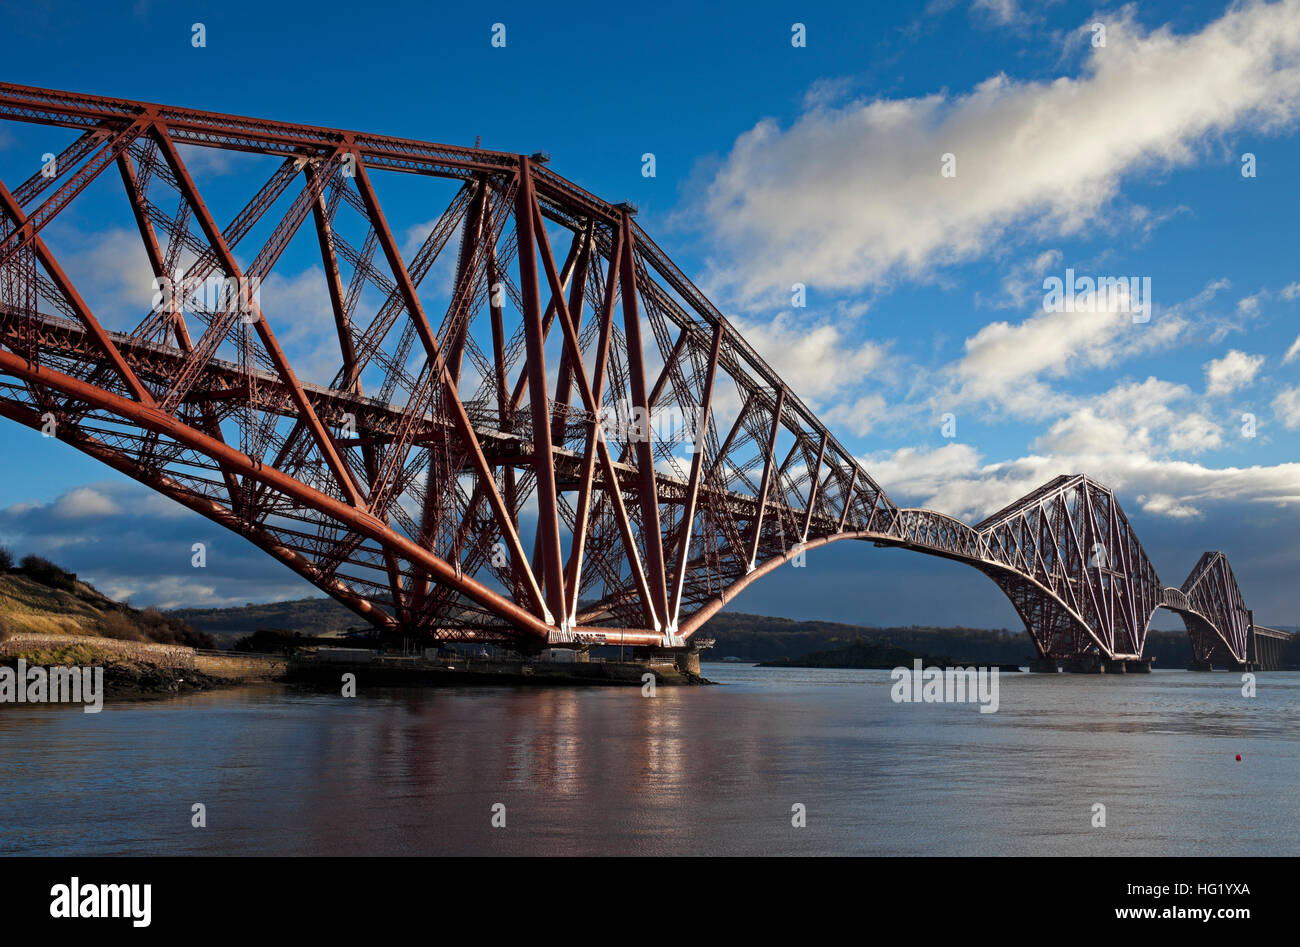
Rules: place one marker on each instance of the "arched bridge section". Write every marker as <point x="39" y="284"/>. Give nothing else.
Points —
<point x="1212" y="607"/>
<point x="557" y="439"/>
<point x="1073" y="567"/>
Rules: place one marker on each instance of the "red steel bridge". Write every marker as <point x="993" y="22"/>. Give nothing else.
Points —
<point x="536" y="380"/>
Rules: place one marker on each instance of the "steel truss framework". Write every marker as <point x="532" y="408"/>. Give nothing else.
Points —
<point x="398" y="486"/>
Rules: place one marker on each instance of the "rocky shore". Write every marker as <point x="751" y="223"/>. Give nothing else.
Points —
<point x="132" y="670"/>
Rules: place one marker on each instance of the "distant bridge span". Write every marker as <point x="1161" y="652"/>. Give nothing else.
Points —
<point x="525" y="385"/>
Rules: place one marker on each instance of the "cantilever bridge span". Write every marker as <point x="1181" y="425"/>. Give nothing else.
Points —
<point x="487" y="461"/>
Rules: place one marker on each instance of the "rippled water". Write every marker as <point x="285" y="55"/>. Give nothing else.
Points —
<point x="694" y="770"/>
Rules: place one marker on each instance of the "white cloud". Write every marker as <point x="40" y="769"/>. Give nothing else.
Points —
<point x="1012" y="366"/>
<point x="84" y="502"/>
<point x="110" y="269"/>
<point x="1149" y="417"/>
<point x="850" y="196"/>
<point x="1249" y="305"/>
<point x="1002" y="11"/>
<point x="1022" y="286"/>
<point x="1005" y="363"/>
<point x="167" y="592"/>
<point x="1286" y="407"/>
<point x="128" y="541"/>
<point x="1135" y="437"/>
<point x="914" y="472"/>
<point x="1234" y="371"/>
<point x="954" y="479"/>
<point x="858" y="417"/>
<point x="298" y="310"/>
<point x="1162" y="504"/>
<point x="815" y="361"/>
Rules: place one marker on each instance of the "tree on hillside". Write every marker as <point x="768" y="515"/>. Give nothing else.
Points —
<point x="115" y="624"/>
<point x="168" y="629"/>
<point x="41" y="570"/>
<point x="6" y="559"/>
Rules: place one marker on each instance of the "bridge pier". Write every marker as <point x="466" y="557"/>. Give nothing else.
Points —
<point x="1096" y="664"/>
<point x="1045" y="666"/>
<point x="686" y="660"/>
<point x="1223" y="666"/>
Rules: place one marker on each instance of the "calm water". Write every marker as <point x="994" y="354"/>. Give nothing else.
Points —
<point x="691" y="771"/>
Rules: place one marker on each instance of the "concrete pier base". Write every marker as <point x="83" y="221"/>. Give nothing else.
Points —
<point x="1223" y="666"/>
<point x="688" y="662"/>
<point x="1045" y="666"/>
<point x="1096" y="664"/>
<point x="685" y="660"/>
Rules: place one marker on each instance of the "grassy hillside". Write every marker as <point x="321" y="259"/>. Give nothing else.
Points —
<point x="26" y="605"/>
<point x="311" y="616"/>
<point x="77" y="608"/>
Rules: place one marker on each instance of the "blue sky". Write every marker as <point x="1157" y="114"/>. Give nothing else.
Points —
<point x="819" y="165"/>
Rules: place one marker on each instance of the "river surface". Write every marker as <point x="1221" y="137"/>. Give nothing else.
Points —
<point x="708" y="770"/>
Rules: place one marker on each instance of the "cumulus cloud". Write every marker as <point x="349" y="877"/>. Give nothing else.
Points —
<point x="1162" y="504"/>
<point x="1286" y="407"/>
<point x="1016" y="367"/>
<point x="920" y="474"/>
<point x="847" y="197"/>
<point x="1011" y="365"/>
<point x="956" y="480"/>
<point x="1136" y="437"/>
<point x="858" y="417"/>
<point x="1234" y="371"/>
<point x="84" y="502"/>
<point x="109" y="268"/>
<point x="815" y="360"/>
<point x="132" y="543"/>
<point x="1152" y="417"/>
<point x="297" y="307"/>
<point x="1022" y="286"/>
<point x="1003" y="362"/>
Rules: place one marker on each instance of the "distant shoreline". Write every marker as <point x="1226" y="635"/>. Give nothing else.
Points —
<point x="872" y="656"/>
